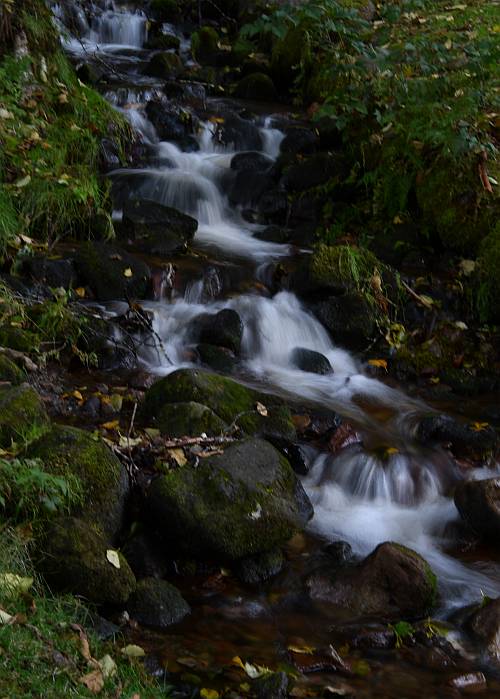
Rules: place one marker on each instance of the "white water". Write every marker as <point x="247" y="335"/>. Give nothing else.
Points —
<point x="357" y="495"/>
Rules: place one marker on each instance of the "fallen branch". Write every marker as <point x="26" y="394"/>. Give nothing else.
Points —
<point x="420" y="299"/>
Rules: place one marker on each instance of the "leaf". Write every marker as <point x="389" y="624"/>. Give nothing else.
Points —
<point x="80" y="291"/>
<point x="77" y="395"/>
<point x="127" y="272"/>
<point x="113" y="557"/>
<point x="5" y="617"/>
<point x="112" y="425"/>
<point x="209" y="694"/>
<point x="253" y="671"/>
<point x="479" y="426"/>
<point x="94" y="681"/>
<point x="188" y="662"/>
<point x="133" y="651"/>
<point x="261" y="409"/>
<point x="448" y="44"/>
<point x="307" y="650"/>
<point x="126" y="442"/>
<point x="178" y="456"/>
<point x="12" y="585"/>
<point x="108" y="666"/>
<point x="380" y="363"/>
<point x="23" y="182"/>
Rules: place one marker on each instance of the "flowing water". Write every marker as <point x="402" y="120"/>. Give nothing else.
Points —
<point x="357" y="495"/>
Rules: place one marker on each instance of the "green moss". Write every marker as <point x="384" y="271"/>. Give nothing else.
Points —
<point x="191" y="419"/>
<point x="22" y="415"/>
<point x="256" y="86"/>
<point x="290" y="55"/>
<point x="19" y="339"/>
<point x="205" y="45"/>
<point x="430" y="576"/>
<point x="165" y="65"/>
<point x="10" y="371"/>
<point x="69" y="450"/>
<point x="164" y="42"/>
<point x="344" y="266"/>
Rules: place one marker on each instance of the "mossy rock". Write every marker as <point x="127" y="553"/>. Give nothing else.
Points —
<point x="342" y="267"/>
<point x="287" y="54"/>
<point x="19" y="339"/>
<point x="227" y="398"/>
<point x="205" y="45"/>
<point x="22" y="415"/>
<point x="73" y="558"/>
<point x="256" y="86"/>
<point x="189" y="419"/>
<point x="163" y="42"/>
<point x="104" y="481"/>
<point x="488" y="288"/>
<point x="240" y="503"/>
<point x="261" y="568"/>
<point x="350" y="319"/>
<point x="164" y="65"/>
<point x="157" y="603"/>
<point x="217" y="358"/>
<point x="9" y="371"/>
<point x="112" y="273"/>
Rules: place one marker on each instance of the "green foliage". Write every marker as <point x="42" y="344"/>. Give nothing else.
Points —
<point x="28" y="492"/>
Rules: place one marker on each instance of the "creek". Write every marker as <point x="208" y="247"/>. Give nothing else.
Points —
<point x="358" y="496"/>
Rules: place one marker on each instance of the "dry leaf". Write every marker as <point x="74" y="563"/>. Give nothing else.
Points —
<point x="127" y="272"/>
<point x="380" y="363"/>
<point x="23" y="182"/>
<point x="479" y="426"/>
<point x="133" y="651"/>
<point x="188" y="662"/>
<point x="307" y="650"/>
<point x="12" y="585"/>
<point x="261" y="409"/>
<point x="80" y="291"/>
<point x="178" y="456"/>
<point x="108" y="666"/>
<point x="113" y="557"/>
<point x="5" y="617"/>
<point x="112" y="425"/>
<point x="94" y="681"/>
<point x="209" y="694"/>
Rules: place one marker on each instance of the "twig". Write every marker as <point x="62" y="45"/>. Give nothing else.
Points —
<point x="191" y="441"/>
<point x="413" y="294"/>
<point x="131" y="427"/>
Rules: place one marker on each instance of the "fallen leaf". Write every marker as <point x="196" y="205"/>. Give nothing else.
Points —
<point x="302" y="649"/>
<point x="479" y="426"/>
<point x="261" y="409"/>
<point x="12" y="585"/>
<point x="127" y="272"/>
<point x="178" y="456"/>
<point x="80" y="291"/>
<point x="380" y="363"/>
<point x="112" y="425"/>
<point x="133" y="651"/>
<point x="23" y="182"/>
<point x="209" y="694"/>
<point x="94" y="681"/>
<point x="5" y="617"/>
<point x="113" y="557"/>
<point x="125" y="442"/>
<point x="108" y="666"/>
<point x="253" y="671"/>
<point x="188" y="662"/>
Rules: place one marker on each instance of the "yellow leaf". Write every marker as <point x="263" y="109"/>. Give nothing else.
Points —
<point x="479" y="426"/>
<point x="390" y="451"/>
<point x="108" y="666"/>
<point x="127" y="272"/>
<point x="80" y="291"/>
<point x="12" y="585"/>
<point x="77" y="395"/>
<point x="133" y="651"/>
<point x="94" y="681"/>
<point x="397" y="219"/>
<point x="209" y="694"/>
<point x="113" y="557"/>
<point x="23" y="182"/>
<point x="178" y="456"/>
<point x="306" y="650"/>
<point x="112" y="425"/>
<point x="434" y="379"/>
<point x="380" y="363"/>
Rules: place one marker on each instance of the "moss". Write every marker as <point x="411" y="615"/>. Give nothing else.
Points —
<point x="488" y="291"/>
<point x="157" y="603"/>
<point x="205" y="45"/>
<point x="191" y="419"/>
<point x="256" y="86"/>
<point x="287" y="55"/>
<point x="22" y="414"/>
<point x="10" y="371"/>
<point x="164" y="42"/>
<point x="19" y="339"/>
<point x="165" y="65"/>
<point x="69" y="450"/>
<point x="429" y="574"/>
<point x="343" y="267"/>
<point x="74" y="560"/>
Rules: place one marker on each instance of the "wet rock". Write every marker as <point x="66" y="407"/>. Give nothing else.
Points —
<point x="205" y="46"/>
<point x="227" y="398"/>
<point x="295" y="455"/>
<point x="393" y="582"/>
<point x="312" y="172"/>
<point x="157" y="603"/>
<point x="22" y="414"/>
<point x="273" y="686"/>
<point x="251" y="161"/>
<point x="464" y="439"/>
<point x="258" y="569"/>
<point x="340" y="552"/>
<point x="375" y="636"/>
<point x="484" y="625"/>
<point x="311" y="361"/>
<point x="273" y="207"/>
<point x="104" y="483"/>
<point x="238" y="504"/>
<point x="273" y="234"/>
<point x="9" y="371"/>
<point x="163" y="42"/>
<point x="256" y="86"/>
<point x="157" y="229"/>
<point x="217" y="358"/>
<point x="164" y="65"/>
<point x="191" y="94"/>
<point x="171" y="122"/>
<point x="248" y="187"/>
<point x="349" y="319"/>
<point x="306" y="208"/>
<point x="189" y="419"/>
<point x="53" y="273"/>
<point x="73" y="559"/>
<point x="111" y="272"/>
<point x="146" y="557"/>
<point x="110" y="155"/>
<point x="471" y="682"/>
<point x="239" y="133"/>
<point x="479" y="505"/>
<point x="299" y="141"/>
<point x="224" y="329"/>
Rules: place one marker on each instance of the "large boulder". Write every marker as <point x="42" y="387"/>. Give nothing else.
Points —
<point x="256" y="86"/>
<point x="393" y="582"/>
<point x="240" y="503"/>
<point x="157" y="603"/>
<point x="171" y="122"/>
<point x="189" y="419"/>
<point x="111" y="272"/>
<point x="311" y="361"/>
<point x="222" y="329"/>
<point x="156" y="228"/>
<point x="350" y="319"/>
<point x="299" y="141"/>
<point x="22" y="415"/>
<point x="205" y="45"/>
<point x="248" y="187"/>
<point x="463" y="438"/>
<point x="484" y="625"/>
<point x="239" y="133"/>
<point x="251" y="161"/>
<point x="104" y="482"/>
<point x="9" y="371"/>
<point x="479" y="505"/>
<point x="73" y="558"/>
<point x="164" y="64"/>
<point x="229" y="400"/>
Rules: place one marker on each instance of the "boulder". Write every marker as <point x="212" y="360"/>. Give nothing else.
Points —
<point x="251" y="161"/>
<point x="53" y="273"/>
<point x="22" y="415"/>
<point x="111" y="272"/>
<point x="146" y="557"/>
<point x="191" y="94"/>
<point x="260" y="568"/>
<point x="157" y="603"/>
<point x="171" y="122"/>
<point x="393" y="582"/>
<point x="350" y="319"/>
<point x="311" y="172"/>
<point x="222" y="329"/>
<point x="464" y="439"/>
<point x="104" y="482"/>
<point x="479" y="505"/>
<point x="248" y="187"/>
<point x="163" y="42"/>
<point x="164" y="65"/>
<point x="309" y="360"/>
<point x="240" y="503"/>
<point x="299" y="141"/>
<point x="273" y="207"/>
<point x="217" y="358"/>
<point x="273" y="234"/>
<point x="166" y="10"/>
<point x="239" y="133"/>
<point x="228" y="399"/>
<point x="189" y="420"/>
<point x="484" y="625"/>
<point x="256" y="86"/>
<point x="9" y="371"/>
<point x="73" y="559"/>
<point x="205" y="45"/>
<point x="157" y="229"/>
